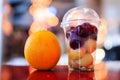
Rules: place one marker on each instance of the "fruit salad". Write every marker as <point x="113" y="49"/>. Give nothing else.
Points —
<point x="82" y="41"/>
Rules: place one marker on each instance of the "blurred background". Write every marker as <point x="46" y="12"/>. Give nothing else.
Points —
<point x="19" y="18"/>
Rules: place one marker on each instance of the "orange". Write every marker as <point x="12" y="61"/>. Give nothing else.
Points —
<point x="42" y="50"/>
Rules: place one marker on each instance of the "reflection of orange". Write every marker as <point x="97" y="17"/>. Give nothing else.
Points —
<point x="42" y="50"/>
<point x="31" y="69"/>
<point x="42" y="75"/>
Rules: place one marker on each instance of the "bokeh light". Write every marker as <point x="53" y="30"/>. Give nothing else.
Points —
<point x="52" y="9"/>
<point x="108" y="44"/>
<point x="42" y="2"/>
<point x="52" y="20"/>
<point x="100" y="71"/>
<point x="102" y="33"/>
<point x="45" y="16"/>
<point x="7" y="27"/>
<point x="99" y="55"/>
<point x="35" y="26"/>
<point x="42" y="16"/>
<point x="32" y="9"/>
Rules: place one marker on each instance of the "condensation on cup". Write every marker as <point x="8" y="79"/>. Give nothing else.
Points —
<point x="81" y="26"/>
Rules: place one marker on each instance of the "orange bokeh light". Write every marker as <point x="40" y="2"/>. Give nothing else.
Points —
<point x="43" y="18"/>
<point x="102" y="33"/>
<point x="100" y="71"/>
<point x="36" y="27"/>
<point x="7" y="26"/>
<point x="32" y="9"/>
<point x="41" y="2"/>
<point x="35" y="7"/>
<point x="41" y="14"/>
<point x="52" y="21"/>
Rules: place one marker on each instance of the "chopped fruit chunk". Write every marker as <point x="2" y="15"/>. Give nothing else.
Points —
<point x="76" y="54"/>
<point x="91" y="66"/>
<point x="86" y="60"/>
<point x="90" y="45"/>
<point x="74" y="64"/>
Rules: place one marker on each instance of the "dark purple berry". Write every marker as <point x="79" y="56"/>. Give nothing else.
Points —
<point x="79" y="34"/>
<point x="76" y="41"/>
<point x="74" y="44"/>
<point x="84" y="32"/>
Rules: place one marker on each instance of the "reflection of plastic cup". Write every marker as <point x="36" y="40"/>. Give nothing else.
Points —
<point x="81" y="27"/>
<point x="76" y="75"/>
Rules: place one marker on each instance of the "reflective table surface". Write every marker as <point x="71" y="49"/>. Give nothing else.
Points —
<point x="103" y="71"/>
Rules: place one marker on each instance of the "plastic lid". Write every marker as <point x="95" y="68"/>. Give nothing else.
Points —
<point x="78" y="13"/>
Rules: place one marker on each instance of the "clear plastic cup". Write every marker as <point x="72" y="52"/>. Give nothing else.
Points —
<point x="80" y="26"/>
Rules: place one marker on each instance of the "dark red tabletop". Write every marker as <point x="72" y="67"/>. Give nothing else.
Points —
<point x="103" y="71"/>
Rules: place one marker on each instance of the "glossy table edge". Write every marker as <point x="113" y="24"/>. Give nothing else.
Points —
<point x="61" y="72"/>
